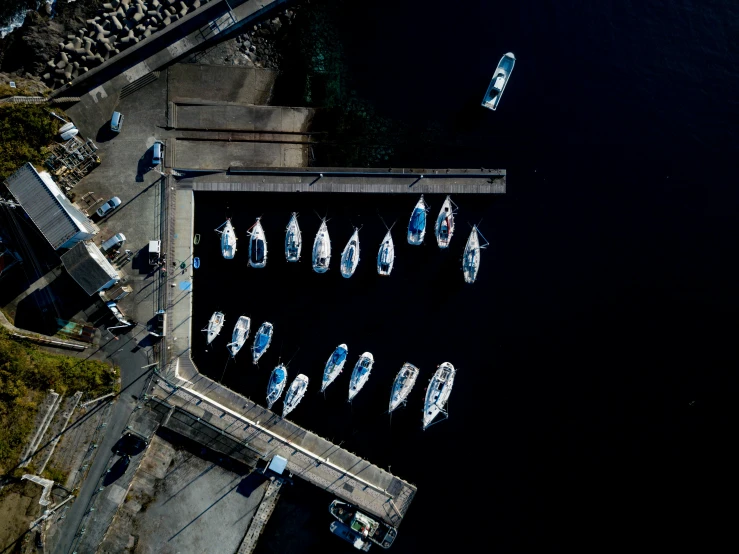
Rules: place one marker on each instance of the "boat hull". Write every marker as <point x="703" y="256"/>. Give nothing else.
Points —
<point x="295" y="394"/>
<point x="370" y="528"/>
<point x="257" y="246"/>
<point x="360" y="375"/>
<point x="276" y="385"/>
<point x="437" y="393"/>
<point x="215" y="324"/>
<point x="386" y="256"/>
<point x="228" y="241"/>
<point x="350" y="256"/>
<point x="499" y="81"/>
<point x="239" y="335"/>
<point x="444" y="228"/>
<point x="322" y="249"/>
<point x="402" y="386"/>
<point x="471" y="257"/>
<point x="262" y="340"/>
<point x="293" y="240"/>
<point x="417" y="224"/>
<point x="334" y="366"/>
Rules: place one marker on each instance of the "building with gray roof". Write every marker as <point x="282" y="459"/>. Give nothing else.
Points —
<point x="87" y="265"/>
<point x="60" y="222"/>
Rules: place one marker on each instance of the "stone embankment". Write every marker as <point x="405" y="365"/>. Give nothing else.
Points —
<point x="119" y="25"/>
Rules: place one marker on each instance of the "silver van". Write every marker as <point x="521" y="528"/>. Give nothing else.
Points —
<point x="116" y="122"/>
<point x="113" y="242"/>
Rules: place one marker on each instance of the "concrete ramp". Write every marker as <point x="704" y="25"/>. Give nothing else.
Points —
<point x="219" y="83"/>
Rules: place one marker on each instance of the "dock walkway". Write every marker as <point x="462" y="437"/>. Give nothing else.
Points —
<point x="261" y="517"/>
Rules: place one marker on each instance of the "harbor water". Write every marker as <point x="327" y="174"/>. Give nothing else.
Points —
<point x="593" y="350"/>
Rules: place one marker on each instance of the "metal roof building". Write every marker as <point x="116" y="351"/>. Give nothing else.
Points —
<point x="61" y="223"/>
<point x="87" y="265"/>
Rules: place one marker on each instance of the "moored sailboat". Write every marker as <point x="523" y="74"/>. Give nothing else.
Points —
<point x="437" y="393"/>
<point x="262" y="340"/>
<point x="295" y="394"/>
<point x="276" y="385"/>
<point x="239" y="336"/>
<point x="402" y="385"/>
<point x="360" y="374"/>
<point x="386" y="255"/>
<point x="417" y="224"/>
<point x="334" y="365"/>
<point x="471" y="257"/>
<point x="322" y="249"/>
<point x="293" y="240"/>
<point x="215" y="324"/>
<point x="350" y="255"/>
<point x="228" y="240"/>
<point x="257" y="245"/>
<point x="444" y="228"/>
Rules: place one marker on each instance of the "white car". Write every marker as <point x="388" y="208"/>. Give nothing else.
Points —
<point x="109" y="206"/>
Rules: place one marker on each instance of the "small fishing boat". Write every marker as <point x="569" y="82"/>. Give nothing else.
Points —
<point x="196" y="263"/>
<point x="334" y="365"/>
<point x="402" y="385"/>
<point x="293" y="240"/>
<point x="444" y="227"/>
<point x="257" y="245"/>
<point x="471" y="257"/>
<point x="367" y="527"/>
<point x="499" y="81"/>
<point x="215" y="324"/>
<point x="417" y="224"/>
<point x="350" y="255"/>
<point x="321" y="249"/>
<point x="276" y="385"/>
<point x="228" y="240"/>
<point x="295" y="394"/>
<point x="437" y="393"/>
<point x="262" y="340"/>
<point x="360" y="374"/>
<point x="386" y="255"/>
<point x="239" y="336"/>
<point x="343" y="531"/>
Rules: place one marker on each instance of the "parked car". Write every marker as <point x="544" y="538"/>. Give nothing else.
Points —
<point x="157" y="153"/>
<point x="116" y="241"/>
<point x="130" y="444"/>
<point x="116" y="122"/>
<point x="109" y="206"/>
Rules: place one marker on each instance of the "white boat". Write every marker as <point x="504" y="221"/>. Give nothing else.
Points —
<point x="276" y="385"/>
<point x="295" y="394"/>
<point x="444" y="227"/>
<point x="257" y="245"/>
<point x="262" y="340"/>
<point x="334" y="365"/>
<point x="293" y="240"/>
<point x="386" y="255"/>
<point x="417" y="224"/>
<point x="360" y="374"/>
<point x="321" y="249"/>
<point x="350" y="255"/>
<point x="402" y="385"/>
<point x="228" y="240"/>
<point x="215" y="324"/>
<point x="471" y="257"/>
<point x="239" y="336"/>
<point x="437" y="393"/>
<point x="499" y="81"/>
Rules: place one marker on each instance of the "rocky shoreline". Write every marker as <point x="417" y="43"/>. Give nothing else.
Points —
<point x="83" y="34"/>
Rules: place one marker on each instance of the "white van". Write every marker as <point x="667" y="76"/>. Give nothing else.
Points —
<point x="113" y="242"/>
<point x="116" y="122"/>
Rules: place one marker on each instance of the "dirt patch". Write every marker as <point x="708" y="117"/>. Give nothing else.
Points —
<point x="18" y="508"/>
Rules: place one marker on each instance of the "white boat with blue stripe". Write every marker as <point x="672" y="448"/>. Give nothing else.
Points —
<point x="417" y="224"/>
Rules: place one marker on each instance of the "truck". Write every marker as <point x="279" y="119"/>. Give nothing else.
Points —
<point x="154" y="251"/>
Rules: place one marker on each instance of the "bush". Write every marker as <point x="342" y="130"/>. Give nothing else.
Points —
<point x="26" y="131"/>
<point x="26" y="375"/>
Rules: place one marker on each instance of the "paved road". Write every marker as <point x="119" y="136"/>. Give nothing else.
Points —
<point x="133" y="379"/>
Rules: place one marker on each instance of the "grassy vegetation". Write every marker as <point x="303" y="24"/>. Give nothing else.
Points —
<point x="26" y="131"/>
<point x="26" y="375"/>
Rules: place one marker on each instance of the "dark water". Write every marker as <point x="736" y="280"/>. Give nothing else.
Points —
<point x="595" y="350"/>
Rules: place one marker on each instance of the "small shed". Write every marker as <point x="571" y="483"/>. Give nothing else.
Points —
<point x="278" y="464"/>
<point x="87" y="265"/>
